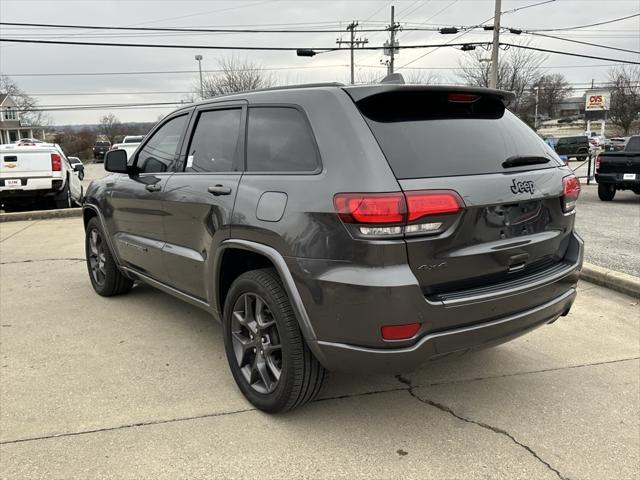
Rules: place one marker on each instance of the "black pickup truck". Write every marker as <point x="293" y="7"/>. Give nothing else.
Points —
<point x="619" y="170"/>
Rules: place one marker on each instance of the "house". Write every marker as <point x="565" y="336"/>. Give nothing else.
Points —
<point x="12" y="127"/>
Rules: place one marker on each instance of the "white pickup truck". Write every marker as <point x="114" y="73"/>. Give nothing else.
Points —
<point x="31" y="173"/>
<point x="129" y="144"/>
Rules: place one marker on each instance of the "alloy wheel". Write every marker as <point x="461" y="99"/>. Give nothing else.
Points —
<point x="256" y="343"/>
<point x="97" y="256"/>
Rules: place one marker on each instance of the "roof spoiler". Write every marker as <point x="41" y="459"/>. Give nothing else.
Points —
<point x="360" y="92"/>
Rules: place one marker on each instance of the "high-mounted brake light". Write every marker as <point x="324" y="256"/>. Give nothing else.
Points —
<point x="56" y="162"/>
<point x="462" y="97"/>
<point x="571" y="191"/>
<point x="383" y="214"/>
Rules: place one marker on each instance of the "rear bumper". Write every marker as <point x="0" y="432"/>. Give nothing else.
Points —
<point x="618" y="180"/>
<point x="350" y="358"/>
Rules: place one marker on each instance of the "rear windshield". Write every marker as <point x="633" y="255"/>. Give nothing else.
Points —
<point x="133" y="140"/>
<point x="103" y="144"/>
<point x="426" y="134"/>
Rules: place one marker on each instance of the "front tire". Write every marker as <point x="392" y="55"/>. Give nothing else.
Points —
<point x="606" y="192"/>
<point x="107" y="280"/>
<point x="267" y="354"/>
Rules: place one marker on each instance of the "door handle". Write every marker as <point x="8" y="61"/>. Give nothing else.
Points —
<point x="219" y="190"/>
<point x="153" y="187"/>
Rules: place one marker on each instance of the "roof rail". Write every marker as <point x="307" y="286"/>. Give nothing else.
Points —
<point x="268" y="89"/>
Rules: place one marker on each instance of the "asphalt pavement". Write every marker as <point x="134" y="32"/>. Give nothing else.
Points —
<point x="137" y="386"/>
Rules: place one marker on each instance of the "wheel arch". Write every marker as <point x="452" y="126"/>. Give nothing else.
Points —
<point x="257" y="255"/>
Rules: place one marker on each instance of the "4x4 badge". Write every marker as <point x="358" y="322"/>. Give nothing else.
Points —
<point x="522" y="187"/>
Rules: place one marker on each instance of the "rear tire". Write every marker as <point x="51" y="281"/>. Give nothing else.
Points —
<point x="267" y="354"/>
<point x="606" y="192"/>
<point x="106" y="278"/>
<point x="63" y="199"/>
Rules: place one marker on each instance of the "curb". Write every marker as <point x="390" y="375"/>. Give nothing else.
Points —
<point x="40" y="215"/>
<point x="618" y="281"/>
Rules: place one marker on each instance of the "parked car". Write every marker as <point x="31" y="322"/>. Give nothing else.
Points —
<point x="100" y="148"/>
<point x="132" y="139"/>
<point x="577" y="147"/>
<point x="615" y="144"/>
<point x="345" y="228"/>
<point x="619" y="170"/>
<point x="30" y="173"/>
<point x="129" y="145"/>
<point x="77" y="166"/>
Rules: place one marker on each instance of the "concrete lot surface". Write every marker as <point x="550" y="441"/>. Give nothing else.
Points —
<point x="138" y="387"/>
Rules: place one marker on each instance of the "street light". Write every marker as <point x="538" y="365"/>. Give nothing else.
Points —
<point x="199" y="59"/>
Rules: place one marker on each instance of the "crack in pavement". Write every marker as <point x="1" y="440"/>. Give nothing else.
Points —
<point x="408" y="387"/>
<point x="486" y="426"/>
<point x="21" y="230"/>
<point x="67" y="259"/>
<point x="128" y="425"/>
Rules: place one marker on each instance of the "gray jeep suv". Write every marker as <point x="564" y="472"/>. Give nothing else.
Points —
<point x="359" y="228"/>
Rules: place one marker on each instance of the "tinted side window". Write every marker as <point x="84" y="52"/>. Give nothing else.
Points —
<point x="279" y="140"/>
<point x="159" y="153"/>
<point x="214" y="144"/>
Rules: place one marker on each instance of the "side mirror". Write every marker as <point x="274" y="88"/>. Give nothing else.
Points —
<point x="78" y="167"/>
<point x="116" y="161"/>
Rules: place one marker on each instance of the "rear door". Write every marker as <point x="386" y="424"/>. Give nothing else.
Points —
<point x="447" y="148"/>
<point x="199" y="199"/>
<point x="137" y="200"/>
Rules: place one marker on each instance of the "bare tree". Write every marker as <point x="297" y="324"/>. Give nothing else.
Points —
<point x="552" y="90"/>
<point x="625" y="97"/>
<point x="110" y="126"/>
<point x="518" y="69"/>
<point x="27" y="105"/>
<point x="236" y="75"/>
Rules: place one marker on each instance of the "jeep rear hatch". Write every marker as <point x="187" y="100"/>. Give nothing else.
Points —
<point x="453" y="145"/>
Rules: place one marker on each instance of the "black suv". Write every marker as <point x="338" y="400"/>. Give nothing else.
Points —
<point x="361" y="228"/>
<point x="577" y="147"/>
<point x="100" y="148"/>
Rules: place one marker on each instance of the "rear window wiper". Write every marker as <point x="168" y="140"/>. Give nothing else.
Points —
<point x="519" y="160"/>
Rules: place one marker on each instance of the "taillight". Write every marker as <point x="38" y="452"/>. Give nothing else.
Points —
<point x="56" y="162"/>
<point x="597" y="162"/>
<point x="408" y="212"/>
<point x="380" y="208"/>
<point x="571" y="191"/>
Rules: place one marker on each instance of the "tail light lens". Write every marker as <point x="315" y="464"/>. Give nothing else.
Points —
<point x="597" y="162"/>
<point x="382" y="214"/>
<point x="56" y="162"/>
<point x="571" y="191"/>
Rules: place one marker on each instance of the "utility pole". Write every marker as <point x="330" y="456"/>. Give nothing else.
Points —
<point x="391" y="44"/>
<point x="199" y="59"/>
<point x="353" y="43"/>
<point x="535" y="118"/>
<point x="493" y="81"/>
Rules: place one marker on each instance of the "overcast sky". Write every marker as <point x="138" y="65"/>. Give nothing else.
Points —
<point x="17" y="59"/>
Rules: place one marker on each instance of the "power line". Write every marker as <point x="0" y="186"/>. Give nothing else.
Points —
<point x="584" y="26"/>
<point x="570" y="54"/>
<point x="167" y="72"/>
<point x="187" y="30"/>
<point x="221" y="47"/>
<point x="580" y="42"/>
